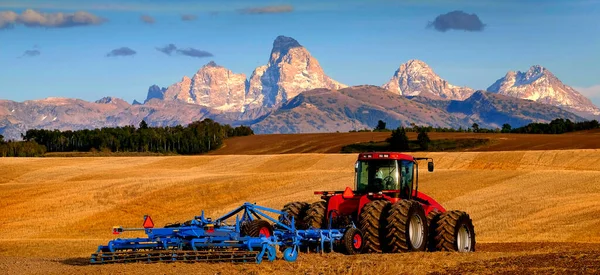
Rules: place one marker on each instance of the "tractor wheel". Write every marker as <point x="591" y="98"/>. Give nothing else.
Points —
<point x="256" y="228"/>
<point x="316" y="215"/>
<point x="406" y="227"/>
<point x="455" y="232"/>
<point x="372" y="222"/>
<point x="296" y="210"/>
<point x="432" y="220"/>
<point x="352" y="242"/>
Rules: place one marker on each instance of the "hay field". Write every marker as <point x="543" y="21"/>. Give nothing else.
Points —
<point x="525" y="204"/>
<point x="333" y="142"/>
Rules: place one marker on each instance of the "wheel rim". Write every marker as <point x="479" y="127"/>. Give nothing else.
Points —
<point x="463" y="239"/>
<point x="265" y="231"/>
<point x="415" y="231"/>
<point x="357" y="241"/>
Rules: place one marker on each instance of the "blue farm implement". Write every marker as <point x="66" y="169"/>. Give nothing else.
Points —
<point x="253" y="237"/>
<point x="385" y="212"/>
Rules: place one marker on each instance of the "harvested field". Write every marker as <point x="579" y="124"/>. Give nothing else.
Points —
<point x="534" y="211"/>
<point x="333" y="142"/>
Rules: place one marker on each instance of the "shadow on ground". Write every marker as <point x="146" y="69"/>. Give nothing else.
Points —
<point x="76" y="261"/>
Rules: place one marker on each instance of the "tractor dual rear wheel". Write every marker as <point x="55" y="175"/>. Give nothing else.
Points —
<point x="316" y="216"/>
<point x="296" y="210"/>
<point x="406" y="227"/>
<point x="455" y="232"/>
<point x="372" y="220"/>
<point x="432" y="220"/>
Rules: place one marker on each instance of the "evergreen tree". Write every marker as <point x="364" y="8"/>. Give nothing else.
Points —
<point x="423" y="139"/>
<point x="380" y="126"/>
<point x="143" y="124"/>
<point x="398" y="141"/>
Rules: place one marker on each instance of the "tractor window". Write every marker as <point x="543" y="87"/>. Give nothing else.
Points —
<point x="377" y="175"/>
<point x="407" y="176"/>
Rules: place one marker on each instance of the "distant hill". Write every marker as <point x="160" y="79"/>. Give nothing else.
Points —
<point x="360" y="107"/>
<point x="491" y="110"/>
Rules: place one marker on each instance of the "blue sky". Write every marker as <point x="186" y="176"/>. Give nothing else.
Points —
<point x="356" y="42"/>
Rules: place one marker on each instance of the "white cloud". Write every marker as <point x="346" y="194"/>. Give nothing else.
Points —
<point x="33" y="18"/>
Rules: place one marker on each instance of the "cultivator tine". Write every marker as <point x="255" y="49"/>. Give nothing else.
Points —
<point x="237" y="256"/>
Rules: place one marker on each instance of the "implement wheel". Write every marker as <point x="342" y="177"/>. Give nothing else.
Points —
<point x="256" y="228"/>
<point x="372" y="222"/>
<point x="352" y="242"/>
<point x="455" y="232"/>
<point x="296" y="210"/>
<point x="406" y="227"/>
<point x="316" y="216"/>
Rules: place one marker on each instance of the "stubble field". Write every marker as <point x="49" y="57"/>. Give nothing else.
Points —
<point x="534" y="211"/>
<point x="333" y="142"/>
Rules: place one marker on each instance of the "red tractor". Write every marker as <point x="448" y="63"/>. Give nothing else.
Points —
<point x="391" y="215"/>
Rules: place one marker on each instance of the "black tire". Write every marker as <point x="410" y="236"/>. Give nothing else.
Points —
<point x="401" y="216"/>
<point x="296" y="210"/>
<point x="316" y="216"/>
<point x="432" y="220"/>
<point x="372" y="222"/>
<point x="352" y="242"/>
<point x="448" y="228"/>
<point x="254" y="228"/>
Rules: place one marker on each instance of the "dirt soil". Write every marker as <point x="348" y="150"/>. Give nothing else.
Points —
<point x="533" y="211"/>
<point x="490" y="258"/>
<point x="333" y="142"/>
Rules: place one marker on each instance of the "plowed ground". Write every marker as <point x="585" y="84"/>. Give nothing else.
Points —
<point x="333" y="142"/>
<point x="534" y="211"/>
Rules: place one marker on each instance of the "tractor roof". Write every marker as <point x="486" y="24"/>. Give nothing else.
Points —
<point x="385" y="155"/>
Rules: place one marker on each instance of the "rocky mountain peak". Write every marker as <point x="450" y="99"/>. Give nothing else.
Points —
<point x="155" y="91"/>
<point x="291" y="70"/>
<point x="283" y="44"/>
<point x="211" y="64"/>
<point x="415" y="65"/>
<point x="112" y="101"/>
<point x="540" y="85"/>
<point x="416" y="78"/>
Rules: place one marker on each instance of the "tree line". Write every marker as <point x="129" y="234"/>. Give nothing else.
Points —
<point x="20" y="149"/>
<point x="557" y="126"/>
<point x="195" y="138"/>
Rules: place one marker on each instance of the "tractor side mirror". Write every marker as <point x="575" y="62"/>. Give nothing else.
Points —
<point x="430" y="166"/>
<point x="356" y="167"/>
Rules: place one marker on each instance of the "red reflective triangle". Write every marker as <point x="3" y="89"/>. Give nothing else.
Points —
<point x="148" y="223"/>
<point x="348" y="194"/>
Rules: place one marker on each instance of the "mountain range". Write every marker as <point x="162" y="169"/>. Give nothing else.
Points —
<point x="292" y="94"/>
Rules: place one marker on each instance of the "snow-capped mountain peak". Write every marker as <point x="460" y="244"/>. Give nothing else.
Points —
<point x="539" y="84"/>
<point x="416" y="78"/>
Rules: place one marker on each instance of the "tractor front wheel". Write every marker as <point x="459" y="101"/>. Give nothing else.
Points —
<point x="372" y="220"/>
<point x="455" y="232"/>
<point x="406" y="227"/>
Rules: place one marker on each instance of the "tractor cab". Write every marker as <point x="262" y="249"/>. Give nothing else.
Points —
<point x="392" y="173"/>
